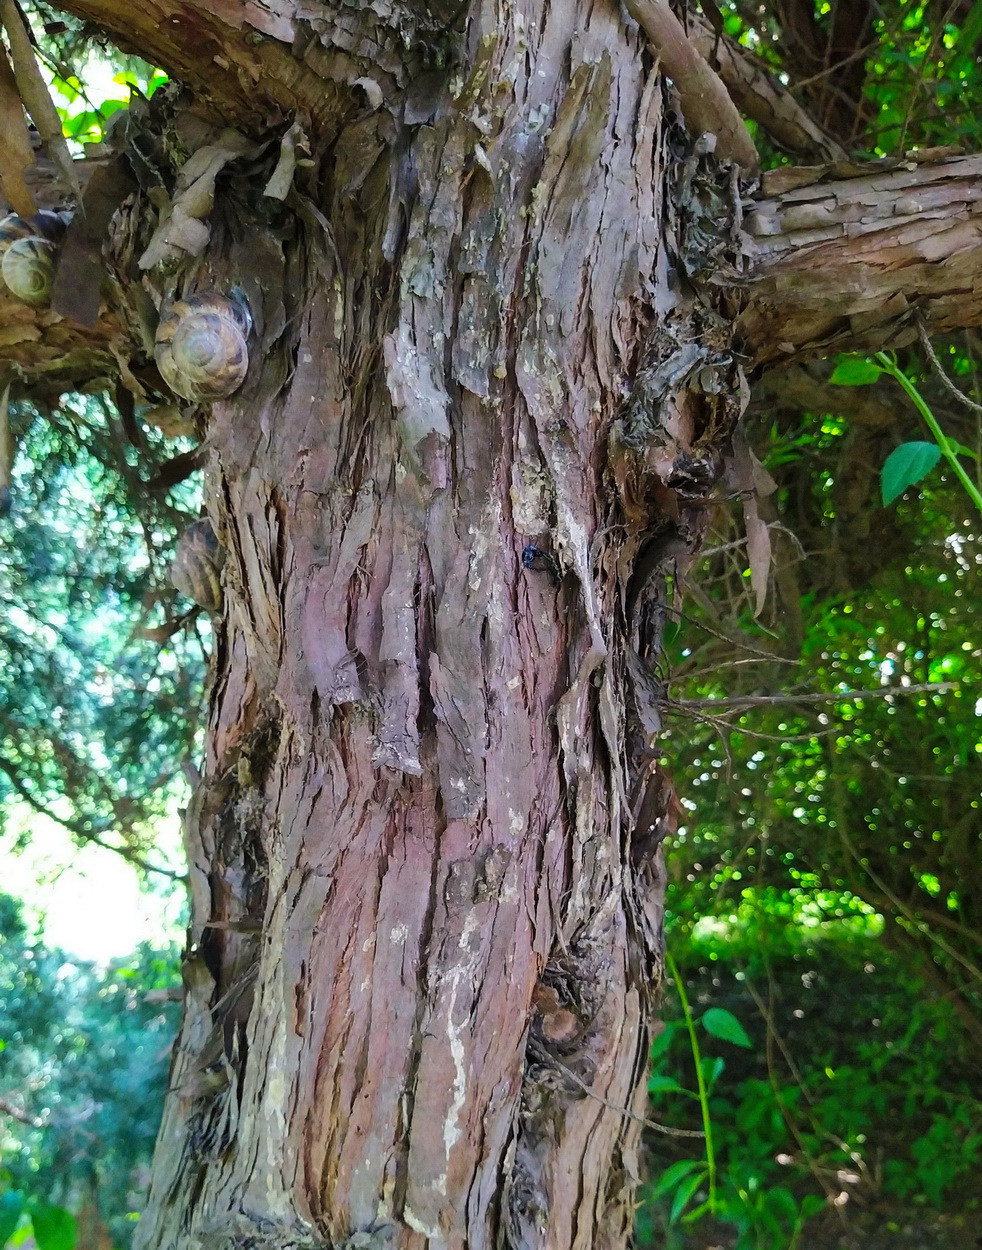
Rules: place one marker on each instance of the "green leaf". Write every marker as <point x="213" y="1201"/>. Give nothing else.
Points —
<point x="854" y="371"/>
<point x="671" y="1176"/>
<point x="811" y="1204"/>
<point x="962" y="450"/>
<point x="696" y="1214"/>
<point x="81" y="122"/>
<point x="67" y="88"/>
<point x="683" y="1194"/>
<point x="782" y="1203"/>
<point x="906" y="465"/>
<point x="54" y="1227"/>
<point x="712" y="1069"/>
<point x="11" y="1205"/>
<point x="665" y="1085"/>
<point x="723" y="1024"/>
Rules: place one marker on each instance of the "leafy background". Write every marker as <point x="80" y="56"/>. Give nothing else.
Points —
<point x="823" y="1015"/>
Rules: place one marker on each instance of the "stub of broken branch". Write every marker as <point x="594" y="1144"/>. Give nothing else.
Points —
<point x="706" y="104"/>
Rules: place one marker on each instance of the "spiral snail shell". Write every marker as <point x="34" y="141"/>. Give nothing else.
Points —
<point x="198" y="564"/>
<point x="27" y="255"/>
<point x="201" y="346"/>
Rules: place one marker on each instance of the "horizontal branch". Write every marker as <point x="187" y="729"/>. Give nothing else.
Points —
<point x="841" y="263"/>
<point x="17" y="1113"/>
<point x="237" y="56"/>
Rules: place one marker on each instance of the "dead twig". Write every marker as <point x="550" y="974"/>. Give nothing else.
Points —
<point x="843" y="696"/>
<point x="943" y="378"/>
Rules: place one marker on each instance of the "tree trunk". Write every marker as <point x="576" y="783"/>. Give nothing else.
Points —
<point x="490" y="393"/>
<point x="427" y="899"/>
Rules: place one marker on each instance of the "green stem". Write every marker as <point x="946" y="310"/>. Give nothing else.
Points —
<point x="890" y="366"/>
<point x="707" y="1124"/>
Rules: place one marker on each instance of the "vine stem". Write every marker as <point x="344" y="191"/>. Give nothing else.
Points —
<point x="707" y="1124"/>
<point x="888" y="365"/>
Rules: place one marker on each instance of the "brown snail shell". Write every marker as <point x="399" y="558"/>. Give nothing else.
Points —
<point x="198" y="564"/>
<point x="27" y="255"/>
<point x="202" y="348"/>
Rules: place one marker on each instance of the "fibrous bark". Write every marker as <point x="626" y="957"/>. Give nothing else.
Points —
<point x="424" y="946"/>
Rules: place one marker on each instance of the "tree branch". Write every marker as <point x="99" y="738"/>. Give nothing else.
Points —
<point x="846" y="696"/>
<point x="81" y="829"/>
<point x="16" y="1113"/>
<point x="705" y="101"/>
<point x="843" y="258"/>
<point x="758" y="93"/>
<point x="237" y="56"/>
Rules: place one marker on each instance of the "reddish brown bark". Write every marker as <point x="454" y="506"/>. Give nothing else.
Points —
<point x="424" y="941"/>
<point x="842" y="263"/>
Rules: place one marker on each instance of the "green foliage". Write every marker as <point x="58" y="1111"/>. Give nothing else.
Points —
<point x="945" y="446"/>
<point x="824" y="891"/>
<point x="912" y="79"/>
<point x="11" y="1209"/>
<point x="83" y="1064"/>
<point x="53" y="1227"/>
<point x="86" y="674"/>
<point x="854" y="371"/>
<point x="88" y="87"/>
<point x="868" y="1098"/>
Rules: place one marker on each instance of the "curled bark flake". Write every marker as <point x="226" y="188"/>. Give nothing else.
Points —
<point x="34" y="93"/>
<point x="281" y="180"/>
<point x="182" y="231"/>
<point x="16" y="152"/>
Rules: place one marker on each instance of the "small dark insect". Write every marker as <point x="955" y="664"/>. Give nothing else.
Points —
<point x="539" y="561"/>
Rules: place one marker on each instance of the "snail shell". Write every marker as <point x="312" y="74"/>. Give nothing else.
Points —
<point x="202" y="346"/>
<point x="27" y="255"/>
<point x="28" y="269"/>
<point x="198" y="564"/>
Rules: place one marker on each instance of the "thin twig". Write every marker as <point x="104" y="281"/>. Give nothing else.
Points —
<point x="929" y="53"/>
<point x="16" y="1113"/>
<point x="943" y="378"/>
<point x="612" y="1106"/>
<point x="711" y="669"/>
<point x="833" y="69"/>
<point x="847" y="696"/>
